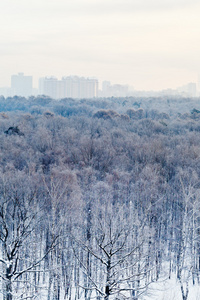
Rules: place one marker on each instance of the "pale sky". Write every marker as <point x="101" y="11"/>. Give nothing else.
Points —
<point x="149" y="44"/>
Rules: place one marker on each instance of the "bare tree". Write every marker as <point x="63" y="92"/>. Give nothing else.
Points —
<point x="20" y="215"/>
<point x="63" y="197"/>
<point x="119" y="251"/>
<point x="187" y="252"/>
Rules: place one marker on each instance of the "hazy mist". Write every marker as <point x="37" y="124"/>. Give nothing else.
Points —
<point x="147" y="44"/>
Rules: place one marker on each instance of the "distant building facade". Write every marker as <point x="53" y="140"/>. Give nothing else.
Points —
<point x="48" y="86"/>
<point x="68" y="87"/>
<point x="188" y="90"/>
<point x="115" y="90"/>
<point x="21" y="85"/>
<point x="6" y="92"/>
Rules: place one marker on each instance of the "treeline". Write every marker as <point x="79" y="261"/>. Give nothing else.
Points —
<point x="70" y="107"/>
<point x="100" y="203"/>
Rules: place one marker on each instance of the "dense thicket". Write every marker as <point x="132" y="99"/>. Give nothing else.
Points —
<point x="69" y="107"/>
<point x="98" y="198"/>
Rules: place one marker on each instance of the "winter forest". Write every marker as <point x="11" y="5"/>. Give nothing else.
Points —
<point x="99" y="199"/>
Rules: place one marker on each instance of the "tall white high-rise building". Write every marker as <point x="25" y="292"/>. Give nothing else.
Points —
<point x="68" y="87"/>
<point x="81" y="87"/>
<point x="48" y="86"/>
<point x="21" y="85"/>
<point x="116" y="90"/>
<point x="188" y="90"/>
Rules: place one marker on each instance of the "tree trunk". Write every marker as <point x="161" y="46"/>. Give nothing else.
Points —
<point x="107" y="289"/>
<point x="8" y="289"/>
<point x="8" y="283"/>
<point x="184" y="294"/>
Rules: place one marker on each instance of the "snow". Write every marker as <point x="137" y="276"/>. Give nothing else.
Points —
<point x="170" y="290"/>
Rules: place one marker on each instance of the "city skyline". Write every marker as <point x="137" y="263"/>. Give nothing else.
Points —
<point x="151" y="45"/>
<point x="35" y="81"/>
<point x="85" y="87"/>
<point x="7" y="81"/>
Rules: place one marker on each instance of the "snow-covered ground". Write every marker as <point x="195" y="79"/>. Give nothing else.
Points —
<point x="170" y="290"/>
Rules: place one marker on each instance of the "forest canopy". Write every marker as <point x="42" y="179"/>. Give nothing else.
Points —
<point x="98" y="196"/>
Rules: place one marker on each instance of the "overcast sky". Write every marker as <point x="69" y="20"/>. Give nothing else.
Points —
<point x="149" y="44"/>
